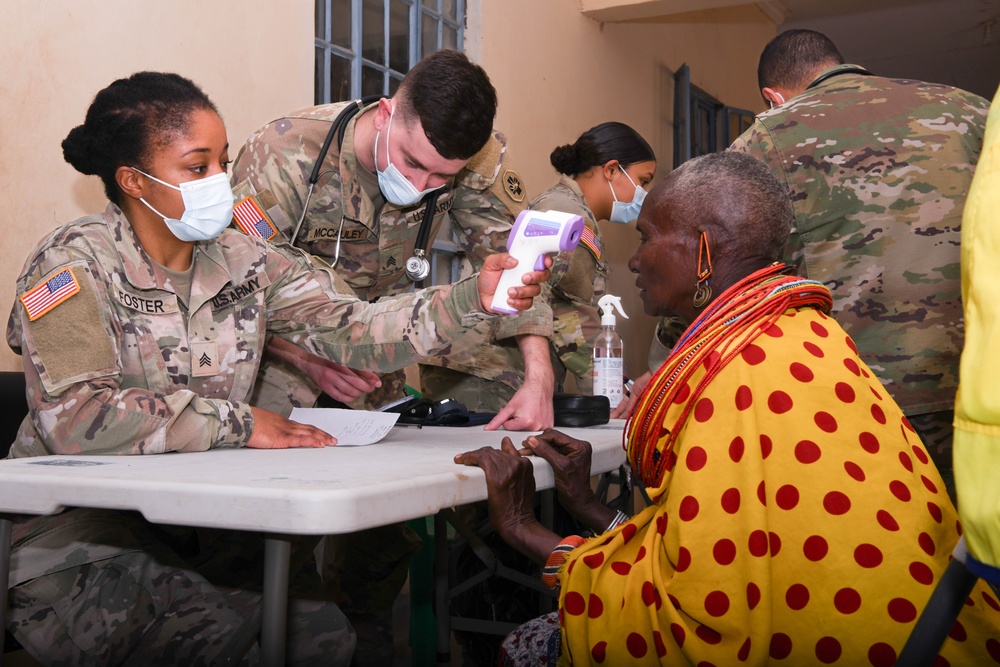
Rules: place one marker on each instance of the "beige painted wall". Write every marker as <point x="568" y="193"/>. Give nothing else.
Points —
<point x="59" y="53"/>
<point x="557" y="73"/>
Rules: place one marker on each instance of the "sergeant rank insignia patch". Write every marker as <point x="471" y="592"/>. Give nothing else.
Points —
<point x="252" y="220"/>
<point x="204" y="358"/>
<point x="54" y="290"/>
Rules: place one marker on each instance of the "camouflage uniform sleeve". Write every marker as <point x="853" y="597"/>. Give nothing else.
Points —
<point x="309" y="305"/>
<point x="274" y="166"/>
<point x="757" y="142"/>
<point x="78" y="402"/>
<point x="579" y="279"/>
<point x="668" y="332"/>
<point x="573" y="272"/>
<point x="489" y="195"/>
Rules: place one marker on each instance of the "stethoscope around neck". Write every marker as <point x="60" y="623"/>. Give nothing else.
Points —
<point x="418" y="267"/>
<point x="837" y="72"/>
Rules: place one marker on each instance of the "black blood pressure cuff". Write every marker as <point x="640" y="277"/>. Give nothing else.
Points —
<point x="578" y="410"/>
<point x="446" y="412"/>
<point x="569" y="409"/>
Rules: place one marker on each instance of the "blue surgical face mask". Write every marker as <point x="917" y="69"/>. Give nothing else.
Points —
<point x="395" y="187"/>
<point x="622" y="212"/>
<point x="208" y="207"/>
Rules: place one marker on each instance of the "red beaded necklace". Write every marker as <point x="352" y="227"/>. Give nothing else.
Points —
<point x="730" y="323"/>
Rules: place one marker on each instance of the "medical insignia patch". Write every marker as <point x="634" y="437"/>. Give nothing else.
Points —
<point x="54" y="290"/>
<point x="252" y="220"/>
<point x="512" y="184"/>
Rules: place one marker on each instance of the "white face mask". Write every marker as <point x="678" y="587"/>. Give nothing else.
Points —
<point x="625" y="213"/>
<point x="208" y="207"/>
<point x="779" y="103"/>
<point x="396" y="188"/>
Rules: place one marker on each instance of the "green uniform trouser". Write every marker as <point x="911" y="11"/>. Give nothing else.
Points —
<point x="936" y="431"/>
<point x="186" y="601"/>
<point x="366" y="570"/>
<point x="477" y="394"/>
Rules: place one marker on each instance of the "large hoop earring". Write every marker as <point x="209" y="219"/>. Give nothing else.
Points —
<point x="703" y="291"/>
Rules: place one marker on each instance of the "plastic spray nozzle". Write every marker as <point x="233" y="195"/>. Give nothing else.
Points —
<point x="607" y="304"/>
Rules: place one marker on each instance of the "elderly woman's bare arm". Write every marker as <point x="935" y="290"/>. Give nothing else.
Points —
<point x="570" y="461"/>
<point x="511" y="501"/>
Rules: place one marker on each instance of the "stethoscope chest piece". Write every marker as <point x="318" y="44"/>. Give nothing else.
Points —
<point x="417" y="267"/>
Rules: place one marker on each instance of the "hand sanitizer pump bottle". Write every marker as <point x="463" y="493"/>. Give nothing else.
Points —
<point x="609" y="368"/>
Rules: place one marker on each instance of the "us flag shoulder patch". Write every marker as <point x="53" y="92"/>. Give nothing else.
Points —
<point x="252" y="220"/>
<point x="588" y="239"/>
<point x="52" y="291"/>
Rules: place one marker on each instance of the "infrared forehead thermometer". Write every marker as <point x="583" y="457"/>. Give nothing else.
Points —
<point x="535" y="234"/>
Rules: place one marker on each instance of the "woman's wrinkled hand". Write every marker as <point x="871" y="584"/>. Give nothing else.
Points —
<point x="626" y="407"/>
<point x="570" y="459"/>
<point x="510" y="482"/>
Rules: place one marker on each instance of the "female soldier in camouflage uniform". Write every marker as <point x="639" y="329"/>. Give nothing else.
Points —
<point x="142" y="331"/>
<point x="603" y="176"/>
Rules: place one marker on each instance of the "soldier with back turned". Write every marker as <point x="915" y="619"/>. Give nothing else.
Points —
<point x="878" y="170"/>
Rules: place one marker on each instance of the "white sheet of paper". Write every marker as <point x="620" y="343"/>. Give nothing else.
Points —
<point x="351" y="428"/>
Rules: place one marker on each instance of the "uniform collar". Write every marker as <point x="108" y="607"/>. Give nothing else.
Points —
<point x="355" y="202"/>
<point x="211" y="273"/>
<point x="846" y="68"/>
<point x="139" y="268"/>
<point x="571" y="183"/>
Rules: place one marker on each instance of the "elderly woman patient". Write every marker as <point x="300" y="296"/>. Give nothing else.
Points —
<point x="796" y="516"/>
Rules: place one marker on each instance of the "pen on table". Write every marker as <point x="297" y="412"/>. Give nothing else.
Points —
<point x="408" y="425"/>
<point x="394" y="404"/>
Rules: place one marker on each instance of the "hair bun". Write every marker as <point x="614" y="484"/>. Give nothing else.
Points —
<point x="81" y="151"/>
<point x="566" y="160"/>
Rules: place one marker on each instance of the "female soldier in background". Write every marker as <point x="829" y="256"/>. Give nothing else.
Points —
<point x="605" y="174"/>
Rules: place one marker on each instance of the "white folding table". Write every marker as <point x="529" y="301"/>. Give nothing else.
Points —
<point x="408" y="475"/>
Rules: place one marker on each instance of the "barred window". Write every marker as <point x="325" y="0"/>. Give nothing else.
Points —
<point x="702" y="124"/>
<point x="365" y="47"/>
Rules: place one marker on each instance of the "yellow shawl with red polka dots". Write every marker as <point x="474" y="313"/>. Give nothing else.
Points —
<point x="798" y="519"/>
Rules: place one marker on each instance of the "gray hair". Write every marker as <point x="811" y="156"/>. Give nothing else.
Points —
<point x="736" y="199"/>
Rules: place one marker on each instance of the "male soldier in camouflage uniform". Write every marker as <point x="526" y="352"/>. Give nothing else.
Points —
<point x="435" y="132"/>
<point x="878" y="170"/>
<point x="445" y="106"/>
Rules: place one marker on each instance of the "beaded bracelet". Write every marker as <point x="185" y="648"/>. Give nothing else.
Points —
<point x="556" y="559"/>
<point x="619" y="519"/>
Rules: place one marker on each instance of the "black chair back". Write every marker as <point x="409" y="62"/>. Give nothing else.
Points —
<point x="13" y="408"/>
